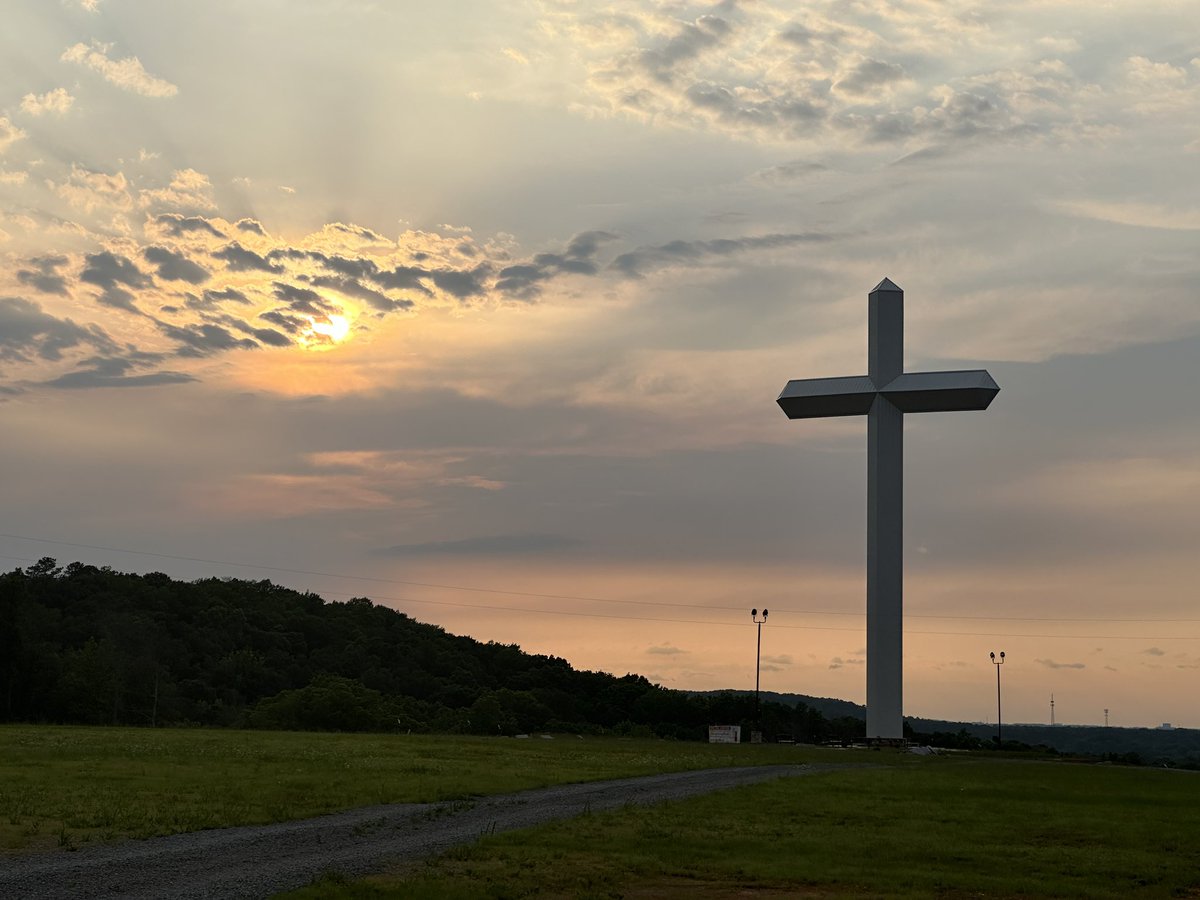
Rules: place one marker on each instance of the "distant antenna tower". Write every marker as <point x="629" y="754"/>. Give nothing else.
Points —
<point x="1051" y="710"/>
<point x="1106" y="717"/>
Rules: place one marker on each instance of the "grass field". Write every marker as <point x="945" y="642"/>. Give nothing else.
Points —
<point x="919" y="827"/>
<point x="951" y="829"/>
<point x="65" y="786"/>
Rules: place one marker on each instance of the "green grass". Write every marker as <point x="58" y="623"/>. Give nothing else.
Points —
<point x="921" y="827"/>
<point x="64" y="786"/>
<point x="940" y="829"/>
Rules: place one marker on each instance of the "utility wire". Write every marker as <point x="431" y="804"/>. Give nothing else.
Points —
<point x="690" y="606"/>
<point x="563" y="612"/>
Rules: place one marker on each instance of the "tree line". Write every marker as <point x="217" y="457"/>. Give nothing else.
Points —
<point x="91" y="645"/>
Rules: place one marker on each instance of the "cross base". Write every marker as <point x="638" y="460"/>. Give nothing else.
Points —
<point x="878" y="743"/>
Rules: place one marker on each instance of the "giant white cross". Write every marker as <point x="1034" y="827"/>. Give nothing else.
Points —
<point x="884" y="394"/>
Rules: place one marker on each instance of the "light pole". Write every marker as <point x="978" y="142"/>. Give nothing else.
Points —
<point x="998" y="662"/>
<point x="758" y="654"/>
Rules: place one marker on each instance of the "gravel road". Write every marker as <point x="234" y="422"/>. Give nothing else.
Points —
<point x="258" y="861"/>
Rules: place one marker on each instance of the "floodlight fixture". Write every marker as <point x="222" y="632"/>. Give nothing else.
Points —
<point x="758" y="654"/>
<point x="999" y="722"/>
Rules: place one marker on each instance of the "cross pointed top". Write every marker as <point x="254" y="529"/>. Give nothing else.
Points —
<point x="887" y="285"/>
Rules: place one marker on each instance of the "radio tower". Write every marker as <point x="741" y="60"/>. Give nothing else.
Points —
<point x="1051" y="710"/>
<point x="1106" y="717"/>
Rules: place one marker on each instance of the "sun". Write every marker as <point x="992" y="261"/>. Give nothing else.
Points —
<point x="327" y="331"/>
<point x="334" y="327"/>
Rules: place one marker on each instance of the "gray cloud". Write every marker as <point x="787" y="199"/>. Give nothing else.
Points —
<point x="26" y="331"/>
<point x="837" y="662"/>
<point x="1154" y="651"/>
<point x="106" y="372"/>
<point x="250" y="225"/>
<point x="501" y="545"/>
<point x="868" y="74"/>
<point x="459" y="284"/>
<point x="289" y="323"/>
<point x="44" y="275"/>
<point x="350" y="268"/>
<point x="960" y="118"/>
<point x="786" y="173"/>
<point x="357" y="231"/>
<point x="174" y="266"/>
<point x="523" y="279"/>
<point x="350" y="273"/>
<point x="401" y="278"/>
<point x="797" y="35"/>
<point x="665" y="650"/>
<point x="239" y="259"/>
<point x="352" y="288"/>
<point x="635" y="263"/>
<point x="107" y="271"/>
<point x="211" y="299"/>
<point x="784" y="88"/>
<point x="267" y="336"/>
<point x="292" y="253"/>
<point x="270" y="337"/>
<point x="304" y="300"/>
<point x="689" y="42"/>
<point x="204" y="339"/>
<point x="788" y="111"/>
<point x="1051" y="664"/>
<point x="177" y="225"/>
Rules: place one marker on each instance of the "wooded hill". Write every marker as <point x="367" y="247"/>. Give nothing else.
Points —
<point x="91" y="645"/>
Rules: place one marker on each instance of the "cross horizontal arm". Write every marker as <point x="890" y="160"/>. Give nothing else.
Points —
<point x="814" y="398"/>
<point x="941" y="391"/>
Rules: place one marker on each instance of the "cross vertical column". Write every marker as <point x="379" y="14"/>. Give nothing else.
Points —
<point x="885" y="518"/>
<point x="884" y="395"/>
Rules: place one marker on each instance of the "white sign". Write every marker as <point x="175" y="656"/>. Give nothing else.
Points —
<point x="724" y="734"/>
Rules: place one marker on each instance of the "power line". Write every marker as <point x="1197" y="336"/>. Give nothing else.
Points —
<point x="429" y="584"/>
<point x="563" y="612"/>
<point x="629" y="602"/>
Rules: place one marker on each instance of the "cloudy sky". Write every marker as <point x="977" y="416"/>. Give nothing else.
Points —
<point x="480" y="309"/>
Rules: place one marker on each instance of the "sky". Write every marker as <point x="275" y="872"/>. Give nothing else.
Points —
<point x="480" y="309"/>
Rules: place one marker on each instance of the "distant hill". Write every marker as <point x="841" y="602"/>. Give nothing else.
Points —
<point x="829" y="707"/>
<point x="1149" y="744"/>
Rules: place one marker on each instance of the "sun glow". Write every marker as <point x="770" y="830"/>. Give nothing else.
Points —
<point x="326" y="331"/>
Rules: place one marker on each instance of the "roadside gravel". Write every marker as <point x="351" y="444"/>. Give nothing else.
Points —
<point x="258" y="861"/>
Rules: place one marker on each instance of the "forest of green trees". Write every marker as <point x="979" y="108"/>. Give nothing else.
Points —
<point x="88" y="645"/>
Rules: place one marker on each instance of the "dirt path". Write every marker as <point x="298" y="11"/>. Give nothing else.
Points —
<point x="262" y="860"/>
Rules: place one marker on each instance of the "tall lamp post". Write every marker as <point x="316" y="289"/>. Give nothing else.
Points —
<point x="998" y="662"/>
<point x="758" y="654"/>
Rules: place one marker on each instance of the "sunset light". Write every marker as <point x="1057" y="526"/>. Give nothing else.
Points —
<point x="494" y="301"/>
